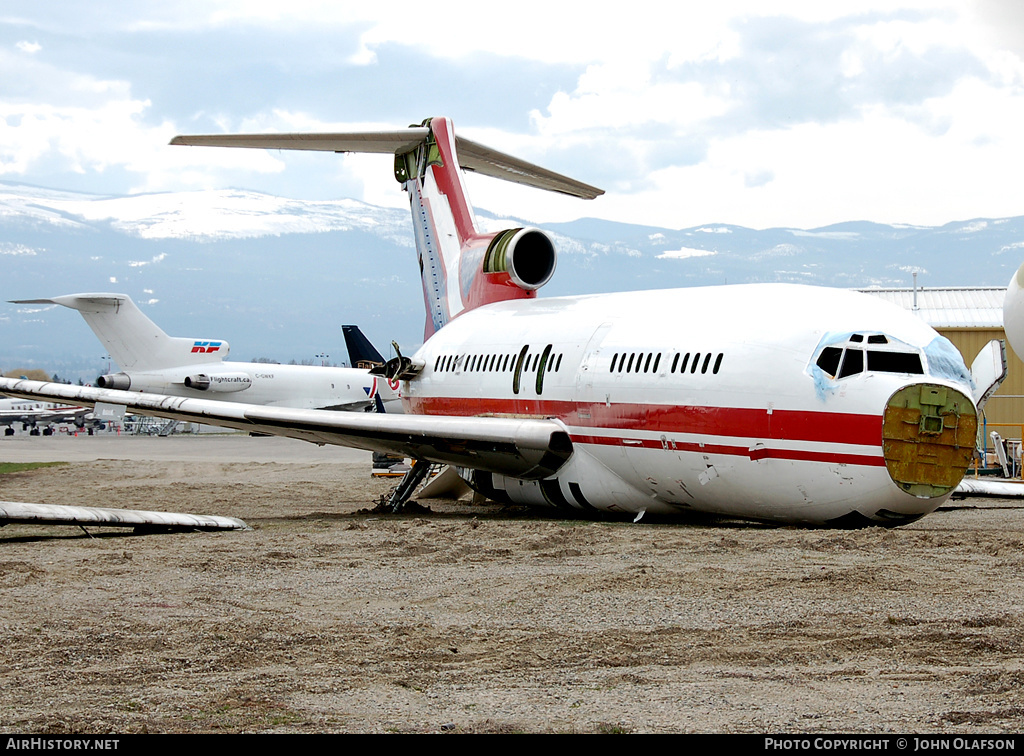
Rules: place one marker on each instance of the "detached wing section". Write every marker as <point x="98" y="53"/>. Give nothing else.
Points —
<point x="473" y="156"/>
<point x="529" y="449"/>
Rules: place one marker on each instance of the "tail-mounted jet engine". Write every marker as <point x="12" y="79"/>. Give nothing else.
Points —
<point x="219" y="382"/>
<point x="526" y="254"/>
<point x="119" y="381"/>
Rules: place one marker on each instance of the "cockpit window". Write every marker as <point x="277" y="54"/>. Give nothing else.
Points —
<point x="829" y="358"/>
<point x="895" y="362"/>
<point x="883" y="356"/>
<point x="853" y="363"/>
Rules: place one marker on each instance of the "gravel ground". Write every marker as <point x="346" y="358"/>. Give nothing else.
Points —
<point x="476" y="618"/>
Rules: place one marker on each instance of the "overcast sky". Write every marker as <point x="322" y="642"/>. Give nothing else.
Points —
<point x="811" y="113"/>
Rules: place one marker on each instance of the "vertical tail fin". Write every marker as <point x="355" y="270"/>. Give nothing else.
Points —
<point x="361" y="352"/>
<point x="134" y="341"/>
<point x="461" y="267"/>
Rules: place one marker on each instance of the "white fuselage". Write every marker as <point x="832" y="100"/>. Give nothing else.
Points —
<point x="31" y="413"/>
<point x="750" y="426"/>
<point x="299" y="386"/>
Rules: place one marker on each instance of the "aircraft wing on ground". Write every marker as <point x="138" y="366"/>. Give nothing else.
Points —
<point x="521" y="447"/>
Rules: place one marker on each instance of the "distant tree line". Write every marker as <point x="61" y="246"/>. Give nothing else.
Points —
<point x="38" y="374"/>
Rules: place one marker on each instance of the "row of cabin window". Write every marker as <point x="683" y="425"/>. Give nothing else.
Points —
<point x="631" y="362"/>
<point x="493" y="363"/>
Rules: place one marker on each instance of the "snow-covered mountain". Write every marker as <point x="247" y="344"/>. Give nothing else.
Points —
<point x="278" y="277"/>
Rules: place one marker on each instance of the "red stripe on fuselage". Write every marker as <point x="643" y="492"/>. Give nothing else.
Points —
<point x="760" y="452"/>
<point x="788" y="425"/>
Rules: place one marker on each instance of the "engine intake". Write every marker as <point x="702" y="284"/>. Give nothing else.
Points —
<point x="526" y="254"/>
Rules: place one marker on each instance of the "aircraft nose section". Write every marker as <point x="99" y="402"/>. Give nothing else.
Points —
<point x="928" y="436"/>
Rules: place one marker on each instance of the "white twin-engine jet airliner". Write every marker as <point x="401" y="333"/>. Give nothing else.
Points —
<point x="33" y="413"/>
<point x="784" y="403"/>
<point x="152" y="362"/>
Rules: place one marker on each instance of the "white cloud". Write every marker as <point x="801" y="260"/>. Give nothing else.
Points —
<point x="669" y="112"/>
<point x="560" y="33"/>
<point x="142" y="263"/>
<point x="588" y="107"/>
<point x="10" y="248"/>
<point x="112" y="134"/>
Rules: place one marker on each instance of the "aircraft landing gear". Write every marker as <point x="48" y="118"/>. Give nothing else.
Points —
<point x="410" y="482"/>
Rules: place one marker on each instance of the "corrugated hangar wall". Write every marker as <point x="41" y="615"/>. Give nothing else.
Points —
<point x="970" y="317"/>
<point x="1007" y="404"/>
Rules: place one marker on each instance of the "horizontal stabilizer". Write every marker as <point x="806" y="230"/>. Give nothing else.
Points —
<point x="477" y="157"/>
<point x="394" y="142"/>
<point x="134" y="341"/>
<point x="472" y="155"/>
<point x="82" y="302"/>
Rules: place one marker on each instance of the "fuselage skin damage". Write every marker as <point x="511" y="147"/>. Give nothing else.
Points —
<point x="705" y="399"/>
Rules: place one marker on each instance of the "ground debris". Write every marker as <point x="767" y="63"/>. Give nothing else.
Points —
<point x="473" y="618"/>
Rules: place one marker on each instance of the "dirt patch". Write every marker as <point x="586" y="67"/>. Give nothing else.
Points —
<point x="489" y="619"/>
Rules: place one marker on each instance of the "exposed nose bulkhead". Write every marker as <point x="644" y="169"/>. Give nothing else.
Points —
<point x="929" y="433"/>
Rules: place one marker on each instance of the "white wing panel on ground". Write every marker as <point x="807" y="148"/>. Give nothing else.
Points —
<point x="60" y="514"/>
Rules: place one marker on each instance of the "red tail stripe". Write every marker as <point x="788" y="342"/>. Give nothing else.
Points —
<point x="447" y="178"/>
